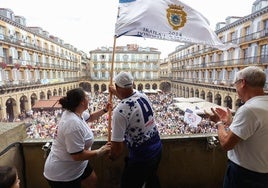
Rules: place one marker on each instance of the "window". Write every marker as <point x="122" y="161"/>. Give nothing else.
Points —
<point x="125" y="57"/>
<point x="247" y="30"/>
<point x="245" y="53"/>
<point x="264" y="50"/>
<point x="266" y="27"/>
<point x="264" y="53"/>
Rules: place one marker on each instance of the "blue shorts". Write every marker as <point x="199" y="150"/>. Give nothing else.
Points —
<point x="237" y="176"/>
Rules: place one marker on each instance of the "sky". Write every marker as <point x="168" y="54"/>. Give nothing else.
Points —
<point x="90" y="24"/>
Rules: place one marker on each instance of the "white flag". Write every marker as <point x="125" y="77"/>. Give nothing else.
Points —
<point x="166" y="20"/>
<point x="191" y="118"/>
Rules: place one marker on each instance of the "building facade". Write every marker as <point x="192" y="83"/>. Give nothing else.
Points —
<point x="143" y="63"/>
<point x="33" y="65"/>
<point x="208" y="73"/>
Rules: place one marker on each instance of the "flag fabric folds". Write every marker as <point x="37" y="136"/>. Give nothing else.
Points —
<point x="191" y="118"/>
<point x="170" y="20"/>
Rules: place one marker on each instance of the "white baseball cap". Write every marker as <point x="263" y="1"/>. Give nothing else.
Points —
<point x="124" y="80"/>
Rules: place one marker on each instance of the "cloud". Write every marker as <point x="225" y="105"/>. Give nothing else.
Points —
<point x="87" y="24"/>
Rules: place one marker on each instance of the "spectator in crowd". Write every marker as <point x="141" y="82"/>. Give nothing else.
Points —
<point x="67" y="164"/>
<point x="246" y="136"/>
<point x="133" y="123"/>
<point x="9" y="177"/>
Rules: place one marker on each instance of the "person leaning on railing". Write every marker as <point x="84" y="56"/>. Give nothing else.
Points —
<point x="133" y="124"/>
<point x="67" y="164"/>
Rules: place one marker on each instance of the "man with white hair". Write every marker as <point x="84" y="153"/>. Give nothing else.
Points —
<point x="246" y="136"/>
<point x="133" y="123"/>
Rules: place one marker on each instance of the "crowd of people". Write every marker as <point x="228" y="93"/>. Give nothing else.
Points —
<point x="43" y="124"/>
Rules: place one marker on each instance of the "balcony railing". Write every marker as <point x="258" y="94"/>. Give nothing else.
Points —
<point x="187" y="161"/>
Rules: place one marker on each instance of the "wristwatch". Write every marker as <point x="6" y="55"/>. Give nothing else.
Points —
<point x="219" y="123"/>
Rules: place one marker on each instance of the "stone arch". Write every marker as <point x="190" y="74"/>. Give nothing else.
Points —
<point x="11" y="109"/>
<point x="42" y="95"/>
<point x="55" y="92"/>
<point x="60" y="92"/>
<point x="140" y="87"/>
<point x="202" y="95"/>
<point x="187" y="92"/>
<point x="147" y="86"/>
<point x="196" y="93"/>
<point x="218" y="99"/>
<point x="96" y="87"/>
<point x="183" y="91"/>
<point x="64" y="91"/>
<point x="23" y="104"/>
<point x="33" y="99"/>
<point x="192" y="92"/>
<point x="154" y="86"/>
<point x="228" y="101"/>
<point x="165" y="86"/>
<point x="209" y="97"/>
<point x="103" y="87"/>
<point x="238" y="103"/>
<point x="86" y="86"/>
<point x="49" y="94"/>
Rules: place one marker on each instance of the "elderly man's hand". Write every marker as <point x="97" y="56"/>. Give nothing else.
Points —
<point x="213" y="117"/>
<point x="222" y="115"/>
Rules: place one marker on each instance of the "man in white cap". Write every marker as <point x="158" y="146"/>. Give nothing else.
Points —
<point x="133" y="124"/>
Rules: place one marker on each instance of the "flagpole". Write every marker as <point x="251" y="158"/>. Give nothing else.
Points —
<point x="110" y="94"/>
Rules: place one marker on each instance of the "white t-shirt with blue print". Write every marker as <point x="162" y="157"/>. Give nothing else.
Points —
<point x="133" y="122"/>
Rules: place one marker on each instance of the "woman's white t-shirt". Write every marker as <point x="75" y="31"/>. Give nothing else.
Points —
<point x="73" y="136"/>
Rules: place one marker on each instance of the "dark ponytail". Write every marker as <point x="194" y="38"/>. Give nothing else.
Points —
<point x="73" y="99"/>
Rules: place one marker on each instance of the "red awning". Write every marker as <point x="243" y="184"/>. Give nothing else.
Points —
<point x="52" y="103"/>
